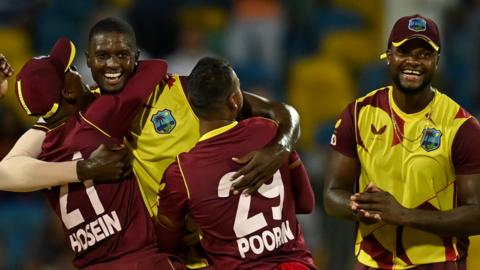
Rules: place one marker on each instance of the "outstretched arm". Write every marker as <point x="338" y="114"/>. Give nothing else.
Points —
<point x="21" y="171"/>
<point x="262" y="164"/>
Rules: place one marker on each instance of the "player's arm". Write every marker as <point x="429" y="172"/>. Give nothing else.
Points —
<point x="343" y="170"/>
<point x="112" y="113"/>
<point x="262" y="164"/>
<point x="21" y="171"/>
<point x="302" y="189"/>
<point x="462" y="220"/>
<point x="172" y="209"/>
<point x="6" y="71"/>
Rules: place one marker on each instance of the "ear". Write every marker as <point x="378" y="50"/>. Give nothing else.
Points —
<point x="87" y="57"/>
<point x="389" y="55"/>
<point x="69" y="95"/>
<point x="235" y="102"/>
<point x="69" y="92"/>
<point x="137" y="56"/>
<point x="232" y="102"/>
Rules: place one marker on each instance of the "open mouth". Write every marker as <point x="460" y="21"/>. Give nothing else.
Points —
<point x="411" y="74"/>
<point x="113" y="78"/>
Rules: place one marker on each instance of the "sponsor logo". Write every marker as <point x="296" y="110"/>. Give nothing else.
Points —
<point x="417" y="24"/>
<point x="431" y="139"/>
<point x="163" y="121"/>
<point x="377" y="131"/>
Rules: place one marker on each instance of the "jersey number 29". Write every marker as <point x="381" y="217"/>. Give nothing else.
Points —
<point x="243" y="224"/>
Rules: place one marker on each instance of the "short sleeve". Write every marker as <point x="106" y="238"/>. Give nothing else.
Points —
<point x="343" y="138"/>
<point x="466" y="148"/>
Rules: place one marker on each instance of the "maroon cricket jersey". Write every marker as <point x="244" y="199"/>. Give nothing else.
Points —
<point x="239" y="232"/>
<point x="103" y="221"/>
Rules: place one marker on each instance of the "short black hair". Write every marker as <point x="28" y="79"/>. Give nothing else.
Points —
<point x="113" y="24"/>
<point x="209" y="84"/>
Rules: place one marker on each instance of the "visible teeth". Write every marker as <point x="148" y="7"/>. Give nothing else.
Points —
<point x="112" y="75"/>
<point x="411" y="72"/>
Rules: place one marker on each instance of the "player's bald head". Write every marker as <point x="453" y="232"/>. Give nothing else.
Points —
<point x="113" y="25"/>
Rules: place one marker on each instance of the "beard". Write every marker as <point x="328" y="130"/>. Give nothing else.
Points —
<point x="411" y="91"/>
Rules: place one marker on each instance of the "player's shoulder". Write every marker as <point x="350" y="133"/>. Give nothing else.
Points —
<point x="258" y="123"/>
<point x="156" y="68"/>
<point x="376" y="96"/>
<point x="148" y="73"/>
<point x="452" y="113"/>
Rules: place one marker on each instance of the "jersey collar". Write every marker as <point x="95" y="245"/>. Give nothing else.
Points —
<point x="218" y="131"/>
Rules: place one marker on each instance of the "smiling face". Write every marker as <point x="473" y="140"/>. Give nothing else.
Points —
<point x="111" y="58"/>
<point x="412" y="65"/>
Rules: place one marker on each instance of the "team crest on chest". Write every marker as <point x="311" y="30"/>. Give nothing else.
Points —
<point x="431" y="139"/>
<point x="163" y="121"/>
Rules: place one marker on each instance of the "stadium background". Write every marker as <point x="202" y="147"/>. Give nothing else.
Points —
<point x="314" y="54"/>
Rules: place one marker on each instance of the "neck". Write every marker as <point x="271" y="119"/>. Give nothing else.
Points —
<point x="65" y="111"/>
<point x="209" y="125"/>
<point x="57" y="119"/>
<point x="412" y="103"/>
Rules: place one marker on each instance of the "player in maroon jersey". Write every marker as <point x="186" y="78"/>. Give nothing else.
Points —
<point x="20" y="171"/>
<point x="106" y="225"/>
<point x="239" y="231"/>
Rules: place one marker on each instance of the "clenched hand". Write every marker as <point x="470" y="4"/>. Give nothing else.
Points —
<point x="379" y="205"/>
<point x="106" y="163"/>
